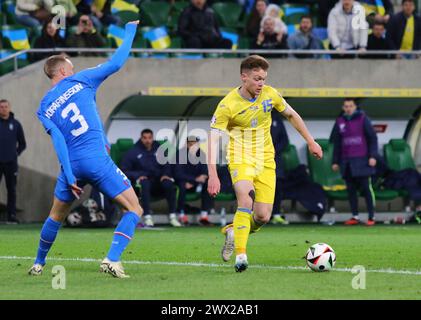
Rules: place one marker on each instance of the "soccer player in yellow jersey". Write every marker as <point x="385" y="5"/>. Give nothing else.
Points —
<point x="245" y="114"/>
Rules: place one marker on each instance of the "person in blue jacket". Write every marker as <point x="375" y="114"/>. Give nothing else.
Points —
<point x="355" y="150"/>
<point x="12" y="144"/>
<point x="143" y="167"/>
<point x="191" y="174"/>
<point x="70" y="116"/>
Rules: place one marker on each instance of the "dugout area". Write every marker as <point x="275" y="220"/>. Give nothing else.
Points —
<point x="174" y="117"/>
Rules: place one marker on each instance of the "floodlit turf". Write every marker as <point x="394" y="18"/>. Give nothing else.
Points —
<point x="172" y="274"/>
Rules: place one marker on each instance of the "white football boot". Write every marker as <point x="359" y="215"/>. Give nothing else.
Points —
<point x="228" y="247"/>
<point x="114" y="268"/>
<point x="36" y="270"/>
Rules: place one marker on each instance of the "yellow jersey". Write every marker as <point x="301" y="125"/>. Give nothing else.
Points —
<point x="248" y="124"/>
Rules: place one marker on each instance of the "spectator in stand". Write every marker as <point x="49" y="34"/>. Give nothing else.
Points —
<point x="377" y="10"/>
<point x="85" y="37"/>
<point x="101" y="9"/>
<point x="49" y="38"/>
<point x="256" y="16"/>
<point x="33" y="13"/>
<point x="199" y="28"/>
<point x="304" y="39"/>
<point x="269" y="39"/>
<point x="142" y="167"/>
<point x="404" y="29"/>
<point x="274" y="11"/>
<point x="347" y="27"/>
<point x="12" y="144"/>
<point x="355" y="151"/>
<point x="378" y="41"/>
<point x="191" y="174"/>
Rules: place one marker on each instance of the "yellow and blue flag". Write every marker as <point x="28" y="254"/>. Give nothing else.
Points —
<point x="373" y="6"/>
<point x="117" y="33"/>
<point x="121" y="5"/>
<point x="18" y="38"/>
<point x="158" y="38"/>
<point x="233" y="37"/>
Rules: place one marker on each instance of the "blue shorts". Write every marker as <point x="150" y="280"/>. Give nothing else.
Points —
<point x="101" y="173"/>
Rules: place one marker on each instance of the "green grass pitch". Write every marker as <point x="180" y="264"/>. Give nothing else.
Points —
<point x="185" y="264"/>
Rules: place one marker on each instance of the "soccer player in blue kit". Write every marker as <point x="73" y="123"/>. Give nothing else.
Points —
<point x="69" y="114"/>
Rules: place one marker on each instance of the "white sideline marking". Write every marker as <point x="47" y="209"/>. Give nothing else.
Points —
<point x="213" y="265"/>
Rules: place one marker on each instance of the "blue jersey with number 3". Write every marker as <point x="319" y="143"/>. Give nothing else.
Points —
<point x="71" y="107"/>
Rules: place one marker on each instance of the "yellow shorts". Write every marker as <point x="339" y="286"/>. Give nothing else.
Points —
<point x="264" y="180"/>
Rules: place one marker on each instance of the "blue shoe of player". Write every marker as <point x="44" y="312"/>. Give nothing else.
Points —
<point x="241" y="263"/>
<point x="36" y="270"/>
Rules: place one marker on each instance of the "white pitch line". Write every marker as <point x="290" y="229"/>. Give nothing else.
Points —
<point x="213" y="265"/>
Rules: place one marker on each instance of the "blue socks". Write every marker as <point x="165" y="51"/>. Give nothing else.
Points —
<point x="48" y="235"/>
<point x="122" y="235"/>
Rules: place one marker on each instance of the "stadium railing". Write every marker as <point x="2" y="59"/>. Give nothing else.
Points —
<point x="213" y="52"/>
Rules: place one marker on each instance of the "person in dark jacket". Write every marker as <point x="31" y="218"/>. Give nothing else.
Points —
<point x="49" y="38"/>
<point x="404" y="29"/>
<point x="142" y="166"/>
<point x="270" y="38"/>
<point x="355" y="150"/>
<point x="280" y="142"/>
<point x="199" y="28"/>
<point x="378" y="41"/>
<point x="12" y="144"/>
<point x="85" y="37"/>
<point x="253" y="22"/>
<point x="191" y="174"/>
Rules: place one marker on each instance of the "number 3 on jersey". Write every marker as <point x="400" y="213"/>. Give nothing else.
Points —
<point x="76" y="117"/>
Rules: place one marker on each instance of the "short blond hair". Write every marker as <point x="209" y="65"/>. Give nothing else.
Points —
<point x="53" y="63"/>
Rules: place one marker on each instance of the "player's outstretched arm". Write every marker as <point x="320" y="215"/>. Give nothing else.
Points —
<point x="214" y="185"/>
<point x="297" y="122"/>
<point x="98" y="74"/>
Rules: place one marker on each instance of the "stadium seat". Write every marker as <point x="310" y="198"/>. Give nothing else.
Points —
<point x="292" y="13"/>
<point x="175" y="12"/>
<point x="228" y="14"/>
<point x="8" y="8"/>
<point x="154" y="13"/>
<point x="119" y="148"/>
<point x="322" y="173"/>
<point x="127" y="16"/>
<point x="398" y="155"/>
<point x="290" y="159"/>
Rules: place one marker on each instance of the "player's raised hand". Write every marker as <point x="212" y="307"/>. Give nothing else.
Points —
<point x="214" y="186"/>
<point x="76" y="190"/>
<point x="133" y="22"/>
<point x="315" y="150"/>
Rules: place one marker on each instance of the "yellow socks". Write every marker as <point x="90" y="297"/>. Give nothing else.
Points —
<point x="254" y="225"/>
<point x="242" y="224"/>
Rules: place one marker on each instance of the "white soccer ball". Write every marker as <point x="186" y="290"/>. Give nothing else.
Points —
<point x="74" y="219"/>
<point x="320" y="257"/>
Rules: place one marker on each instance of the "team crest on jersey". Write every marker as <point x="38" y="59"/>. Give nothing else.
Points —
<point x="11" y="126"/>
<point x="342" y="127"/>
<point x="139" y="155"/>
<point x="235" y="173"/>
<point x="253" y="123"/>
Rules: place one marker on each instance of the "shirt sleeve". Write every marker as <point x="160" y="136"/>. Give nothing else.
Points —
<point x="95" y="76"/>
<point x="221" y="117"/>
<point x="60" y="147"/>
<point x="279" y="102"/>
